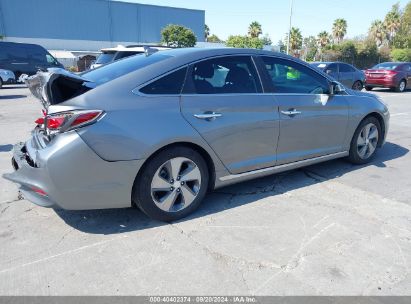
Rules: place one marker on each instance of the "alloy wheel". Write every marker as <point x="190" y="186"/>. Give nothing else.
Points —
<point x="402" y="86"/>
<point x="367" y="141"/>
<point x="176" y="184"/>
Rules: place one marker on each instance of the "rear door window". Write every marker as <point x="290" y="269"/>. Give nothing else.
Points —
<point x="224" y="75"/>
<point x="345" y="68"/>
<point x="170" y="84"/>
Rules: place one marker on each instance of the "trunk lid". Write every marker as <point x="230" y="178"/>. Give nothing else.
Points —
<point x="56" y="86"/>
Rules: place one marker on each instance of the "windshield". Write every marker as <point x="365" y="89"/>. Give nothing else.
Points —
<point x="121" y="67"/>
<point x="319" y="65"/>
<point x="385" y="66"/>
<point x="105" y="57"/>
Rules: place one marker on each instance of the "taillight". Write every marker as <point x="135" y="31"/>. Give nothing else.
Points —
<point x="66" y="121"/>
<point x="390" y="74"/>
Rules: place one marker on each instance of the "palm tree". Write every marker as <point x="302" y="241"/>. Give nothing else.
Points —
<point x="254" y="30"/>
<point x="206" y="32"/>
<point x="339" y="29"/>
<point x="392" y="23"/>
<point x="296" y="40"/>
<point x="378" y="32"/>
<point x="323" y="39"/>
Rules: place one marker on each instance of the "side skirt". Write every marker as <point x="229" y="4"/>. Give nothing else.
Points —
<point x="235" y="178"/>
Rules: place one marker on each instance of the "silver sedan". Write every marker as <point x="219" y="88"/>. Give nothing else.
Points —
<point x="159" y="131"/>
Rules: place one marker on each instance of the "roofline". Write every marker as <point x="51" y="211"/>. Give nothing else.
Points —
<point x="153" y="5"/>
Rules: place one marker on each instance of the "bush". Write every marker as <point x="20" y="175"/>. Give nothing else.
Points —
<point x="73" y="69"/>
<point x="401" y="54"/>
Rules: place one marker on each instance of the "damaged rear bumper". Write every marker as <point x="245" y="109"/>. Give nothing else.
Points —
<point x="68" y="174"/>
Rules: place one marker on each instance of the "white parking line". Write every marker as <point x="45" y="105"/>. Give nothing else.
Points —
<point x="399" y="114"/>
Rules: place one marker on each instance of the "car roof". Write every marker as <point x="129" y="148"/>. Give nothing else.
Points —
<point x="122" y="48"/>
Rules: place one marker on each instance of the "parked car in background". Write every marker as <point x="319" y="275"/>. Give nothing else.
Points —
<point x="345" y="73"/>
<point x="24" y="58"/>
<point x="6" y="77"/>
<point x="159" y="131"/>
<point x="112" y="54"/>
<point x="393" y="75"/>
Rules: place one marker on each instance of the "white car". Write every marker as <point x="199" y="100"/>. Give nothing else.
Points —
<point x="6" y="77"/>
<point x="112" y="54"/>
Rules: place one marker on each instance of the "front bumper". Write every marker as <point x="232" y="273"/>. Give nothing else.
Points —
<point x="71" y="175"/>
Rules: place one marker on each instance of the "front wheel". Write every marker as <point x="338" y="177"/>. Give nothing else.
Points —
<point x="1" y="83"/>
<point x="368" y="88"/>
<point x="365" y="141"/>
<point x="172" y="184"/>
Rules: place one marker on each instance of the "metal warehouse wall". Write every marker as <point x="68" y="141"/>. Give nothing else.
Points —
<point x="92" y="20"/>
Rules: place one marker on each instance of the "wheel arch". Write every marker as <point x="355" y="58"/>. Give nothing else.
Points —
<point x="206" y="156"/>
<point x="380" y="119"/>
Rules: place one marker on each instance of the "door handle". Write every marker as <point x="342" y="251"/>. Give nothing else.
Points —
<point x="291" y="112"/>
<point x="208" y="115"/>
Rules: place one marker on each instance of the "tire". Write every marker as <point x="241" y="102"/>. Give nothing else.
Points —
<point x="1" y="83"/>
<point x="357" y="86"/>
<point x="165" y="197"/>
<point x="368" y="88"/>
<point x="402" y="85"/>
<point x="363" y="146"/>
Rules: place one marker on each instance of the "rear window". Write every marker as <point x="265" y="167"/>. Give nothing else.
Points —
<point x="121" y="67"/>
<point x="105" y="58"/>
<point x="385" y="66"/>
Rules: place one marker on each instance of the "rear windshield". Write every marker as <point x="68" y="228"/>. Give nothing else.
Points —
<point x="386" y="66"/>
<point x="105" y="57"/>
<point x="121" y="67"/>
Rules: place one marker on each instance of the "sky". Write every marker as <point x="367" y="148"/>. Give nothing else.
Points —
<point x="230" y="17"/>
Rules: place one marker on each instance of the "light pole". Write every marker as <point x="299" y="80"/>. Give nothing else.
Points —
<point x="289" y="28"/>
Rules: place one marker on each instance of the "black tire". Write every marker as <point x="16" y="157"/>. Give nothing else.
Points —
<point x="1" y="83"/>
<point x="368" y="88"/>
<point x="402" y="85"/>
<point x="142" y="192"/>
<point x="357" y="86"/>
<point x="354" y="156"/>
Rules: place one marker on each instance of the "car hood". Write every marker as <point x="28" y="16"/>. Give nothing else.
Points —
<point x="359" y="93"/>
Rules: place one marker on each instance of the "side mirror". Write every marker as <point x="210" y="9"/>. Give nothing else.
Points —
<point x="336" y="88"/>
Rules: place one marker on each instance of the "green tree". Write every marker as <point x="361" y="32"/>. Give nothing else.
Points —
<point x="323" y="39"/>
<point x="339" y="29"/>
<point x="401" y="54"/>
<point x="206" y="32"/>
<point x="296" y="40"/>
<point x="214" y="38"/>
<point x="254" y="30"/>
<point x="377" y="32"/>
<point x="244" y="42"/>
<point x="309" y="48"/>
<point x="392" y="22"/>
<point x="266" y="40"/>
<point x="178" y="36"/>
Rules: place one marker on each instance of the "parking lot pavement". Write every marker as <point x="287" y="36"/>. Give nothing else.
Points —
<point x="329" y="229"/>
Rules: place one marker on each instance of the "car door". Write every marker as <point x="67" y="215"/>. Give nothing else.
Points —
<point x="223" y="101"/>
<point x="312" y="122"/>
<point x="346" y="75"/>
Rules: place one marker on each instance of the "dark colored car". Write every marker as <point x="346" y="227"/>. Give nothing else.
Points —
<point x="345" y="73"/>
<point x="24" y="58"/>
<point x="393" y="75"/>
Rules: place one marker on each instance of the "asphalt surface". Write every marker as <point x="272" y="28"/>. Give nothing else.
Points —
<point x="329" y="229"/>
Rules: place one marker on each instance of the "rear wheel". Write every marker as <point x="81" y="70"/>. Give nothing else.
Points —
<point x="365" y="141"/>
<point x="1" y="83"/>
<point x="172" y="184"/>
<point x="368" y="88"/>
<point x="401" y="86"/>
<point x="357" y="86"/>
